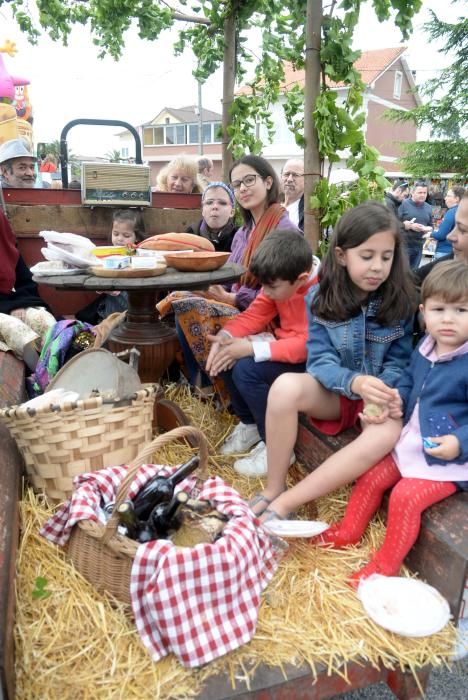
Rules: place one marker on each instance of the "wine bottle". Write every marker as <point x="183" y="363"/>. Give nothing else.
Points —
<point x="163" y="517"/>
<point x="146" y="534"/>
<point x="160" y="489"/>
<point x="128" y="520"/>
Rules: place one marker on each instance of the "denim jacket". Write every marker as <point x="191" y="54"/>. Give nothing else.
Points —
<point x="339" y="351"/>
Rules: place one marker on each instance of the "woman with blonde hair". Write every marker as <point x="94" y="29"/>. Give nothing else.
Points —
<point x="181" y="176"/>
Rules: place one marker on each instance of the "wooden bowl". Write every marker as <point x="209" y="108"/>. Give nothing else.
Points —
<point x="200" y="261"/>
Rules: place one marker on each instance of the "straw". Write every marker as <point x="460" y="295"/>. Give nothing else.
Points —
<point x="76" y="643"/>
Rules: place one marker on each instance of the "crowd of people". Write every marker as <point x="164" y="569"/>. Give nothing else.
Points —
<point x="366" y="338"/>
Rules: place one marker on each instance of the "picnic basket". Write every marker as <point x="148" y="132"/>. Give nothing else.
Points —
<point x="102" y="555"/>
<point x="61" y="442"/>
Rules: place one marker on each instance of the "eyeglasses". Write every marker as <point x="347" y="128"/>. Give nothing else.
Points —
<point x="295" y="176"/>
<point x="247" y="181"/>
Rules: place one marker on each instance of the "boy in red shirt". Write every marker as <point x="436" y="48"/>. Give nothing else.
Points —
<point x="249" y="363"/>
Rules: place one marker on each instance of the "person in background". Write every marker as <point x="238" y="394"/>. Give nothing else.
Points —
<point x="292" y="178"/>
<point x="416" y="216"/>
<point x="452" y="200"/>
<point x="458" y="237"/>
<point x="17" y="164"/>
<point x="180" y="175"/>
<point x="128" y="228"/>
<point x="430" y="460"/>
<point x="56" y="185"/>
<point x="74" y="185"/>
<point x="205" y="170"/>
<point x="217" y="222"/>
<point x="47" y="164"/>
<point x="24" y="317"/>
<point x="249" y="363"/>
<point x="359" y="342"/>
<point x="395" y="196"/>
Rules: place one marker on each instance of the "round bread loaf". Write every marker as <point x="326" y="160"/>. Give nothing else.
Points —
<point x="177" y="241"/>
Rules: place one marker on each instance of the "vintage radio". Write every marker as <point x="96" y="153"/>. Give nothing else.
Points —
<point x="115" y="184"/>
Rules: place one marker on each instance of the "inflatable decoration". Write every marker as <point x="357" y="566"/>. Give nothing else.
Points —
<point x="15" y="109"/>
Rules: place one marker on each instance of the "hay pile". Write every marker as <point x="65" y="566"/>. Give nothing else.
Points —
<point x="71" y="643"/>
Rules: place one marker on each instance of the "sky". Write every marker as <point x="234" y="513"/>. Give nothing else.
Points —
<point x="72" y="82"/>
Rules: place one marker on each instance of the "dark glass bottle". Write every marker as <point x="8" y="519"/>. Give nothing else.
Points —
<point x="160" y="489"/>
<point x="146" y="534"/>
<point x="128" y="519"/>
<point x="163" y="518"/>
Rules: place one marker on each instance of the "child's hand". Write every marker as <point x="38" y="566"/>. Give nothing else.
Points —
<point x="218" y="293"/>
<point x="372" y="419"/>
<point x="373" y="390"/>
<point x="395" y="406"/>
<point x="216" y="341"/>
<point x="448" y="447"/>
<point x="229" y="350"/>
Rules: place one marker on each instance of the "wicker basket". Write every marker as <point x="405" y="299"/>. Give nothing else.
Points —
<point x="60" y="442"/>
<point x="105" y="557"/>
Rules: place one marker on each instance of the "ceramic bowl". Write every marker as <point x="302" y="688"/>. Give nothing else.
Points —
<point x="200" y="261"/>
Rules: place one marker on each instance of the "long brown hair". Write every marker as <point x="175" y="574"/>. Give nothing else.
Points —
<point x="263" y="168"/>
<point x="338" y="298"/>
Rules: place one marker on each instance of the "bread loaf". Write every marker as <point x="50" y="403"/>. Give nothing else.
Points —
<point x="177" y="241"/>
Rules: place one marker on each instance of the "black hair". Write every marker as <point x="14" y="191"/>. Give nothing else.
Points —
<point x="338" y="298"/>
<point x="135" y="217"/>
<point x="282" y="255"/>
<point x="263" y="168"/>
<point x="420" y="183"/>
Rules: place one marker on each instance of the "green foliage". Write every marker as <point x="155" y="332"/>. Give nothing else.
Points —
<point x="446" y="109"/>
<point x="114" y="156"/>
<point x="431" y="158"/>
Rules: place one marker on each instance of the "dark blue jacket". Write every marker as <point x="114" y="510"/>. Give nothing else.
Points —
<point x="441" y="387"/>
<point x="446" y="225"/>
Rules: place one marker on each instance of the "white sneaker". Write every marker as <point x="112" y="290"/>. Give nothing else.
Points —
<point x="255" y="464"/>
<point x="242" y="438"/>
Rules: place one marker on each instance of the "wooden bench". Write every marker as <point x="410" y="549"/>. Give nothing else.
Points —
<point x="440" y="555"/>
<point x="11" y="468"/>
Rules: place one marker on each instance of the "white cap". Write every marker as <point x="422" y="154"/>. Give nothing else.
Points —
<point x="15" y="148"/>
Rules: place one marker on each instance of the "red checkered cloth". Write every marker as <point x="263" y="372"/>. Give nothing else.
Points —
<point x="198" y="602"/>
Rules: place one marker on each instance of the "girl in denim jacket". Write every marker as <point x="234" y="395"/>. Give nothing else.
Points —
<point x="430" y="460"/>
<point x="360" y="337"/>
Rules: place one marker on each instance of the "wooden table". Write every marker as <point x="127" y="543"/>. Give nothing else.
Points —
<point x="143" y="328"/>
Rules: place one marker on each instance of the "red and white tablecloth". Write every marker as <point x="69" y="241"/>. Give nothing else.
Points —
<point x="198" y="602"/>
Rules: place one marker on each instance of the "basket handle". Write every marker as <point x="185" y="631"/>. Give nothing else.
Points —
<point x="185" y="431"/>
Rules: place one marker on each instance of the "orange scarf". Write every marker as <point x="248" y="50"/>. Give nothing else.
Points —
<point x="267" y="223"/>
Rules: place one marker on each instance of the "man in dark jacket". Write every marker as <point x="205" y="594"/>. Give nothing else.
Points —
<point x="394" y="197"/>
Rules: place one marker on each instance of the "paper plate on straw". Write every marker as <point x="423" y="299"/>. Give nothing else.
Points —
<point x="295" y="528"/>
<point x="405" y="606"/>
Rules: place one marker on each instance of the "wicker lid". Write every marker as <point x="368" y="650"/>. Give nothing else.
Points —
<point x="97" y="371"/>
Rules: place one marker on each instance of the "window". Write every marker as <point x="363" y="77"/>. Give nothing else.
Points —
<point x="397" y="84"/>
<point x="124" y="152"/>
<point x="172" y="134"/>
<point x="193" y="133"/>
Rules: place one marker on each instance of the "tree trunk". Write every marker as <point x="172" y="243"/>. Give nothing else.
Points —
<point x="229" y="79"/>
<point x="312" y="91"/>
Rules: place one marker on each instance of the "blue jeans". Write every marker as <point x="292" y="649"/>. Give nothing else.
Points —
<point x="414" y="248"/>
<point x="249" y="382"/>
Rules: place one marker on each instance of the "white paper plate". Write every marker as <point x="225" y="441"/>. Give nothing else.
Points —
<point x="295" y="528"/>
<point x="49" y="271"/>
<point x="405" y="606"/>
<point x="53" y="252"/>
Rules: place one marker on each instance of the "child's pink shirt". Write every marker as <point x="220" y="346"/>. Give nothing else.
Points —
<point x="408" y="453"/>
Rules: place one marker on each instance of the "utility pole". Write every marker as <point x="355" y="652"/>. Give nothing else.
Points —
<point x="200" y="121"/>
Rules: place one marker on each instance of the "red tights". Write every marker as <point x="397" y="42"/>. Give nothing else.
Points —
<point x="408" y="499"/>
